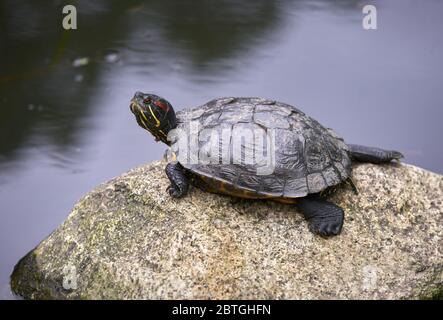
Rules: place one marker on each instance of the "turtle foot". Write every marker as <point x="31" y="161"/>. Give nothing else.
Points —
<point x="323" y="228"/>
<point x="175" y="192"/>
<point x="179" y="182"/>
<point x="324" y="218"/>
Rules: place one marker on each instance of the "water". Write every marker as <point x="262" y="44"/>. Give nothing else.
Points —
<point x="65" y="124"/>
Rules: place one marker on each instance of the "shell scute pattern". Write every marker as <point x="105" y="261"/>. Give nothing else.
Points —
<point x="308" y="157"/>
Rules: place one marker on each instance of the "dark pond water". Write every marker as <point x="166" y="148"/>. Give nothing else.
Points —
<point x="65" y="128"/>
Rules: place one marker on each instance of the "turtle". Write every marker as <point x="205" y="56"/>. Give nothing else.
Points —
<point x="308" y="158"/>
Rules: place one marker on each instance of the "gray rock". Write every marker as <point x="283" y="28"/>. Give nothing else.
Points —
<point x="127" y="239"/>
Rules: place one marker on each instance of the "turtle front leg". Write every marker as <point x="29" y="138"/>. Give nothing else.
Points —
<point x="324" y="217"/>
<point x="179" y="182"/>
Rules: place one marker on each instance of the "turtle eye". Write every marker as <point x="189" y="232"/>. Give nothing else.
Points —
<point x="147" y="100"/>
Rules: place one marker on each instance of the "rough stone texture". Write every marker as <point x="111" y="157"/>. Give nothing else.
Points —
<point x="128" y="239"/>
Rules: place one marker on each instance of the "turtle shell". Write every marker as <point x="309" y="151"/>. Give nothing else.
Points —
<point x="308" y="157"/>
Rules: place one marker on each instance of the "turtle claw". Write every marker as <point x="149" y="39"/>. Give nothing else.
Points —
<point x="174" y="191"/>
<point x="326" y="229"/>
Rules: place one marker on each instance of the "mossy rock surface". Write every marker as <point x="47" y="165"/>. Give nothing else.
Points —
<point x="127" y="239"/>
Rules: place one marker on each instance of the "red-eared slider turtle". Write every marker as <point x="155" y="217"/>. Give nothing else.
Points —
<point x="307" y="157"/>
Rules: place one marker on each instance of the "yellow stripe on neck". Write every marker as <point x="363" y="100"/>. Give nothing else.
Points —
<point x="144" y="116"/>
<point x="144" y="123"/>
<point x="157" y="122"/>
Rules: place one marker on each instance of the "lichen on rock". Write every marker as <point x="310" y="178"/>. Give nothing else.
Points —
<point x="127" y="239"/>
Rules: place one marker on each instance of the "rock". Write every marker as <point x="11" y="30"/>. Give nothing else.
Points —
<point x="127" y="239"/>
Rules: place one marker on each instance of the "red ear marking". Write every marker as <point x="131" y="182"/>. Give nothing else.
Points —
<point x="162" y="105"/>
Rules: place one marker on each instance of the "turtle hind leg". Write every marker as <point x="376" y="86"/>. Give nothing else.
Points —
<point x="373" y="155"/>
<point x="324" y="217"/>
<point x="179" y="181"/>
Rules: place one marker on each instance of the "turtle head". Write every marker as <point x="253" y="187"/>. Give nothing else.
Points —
<point x="154" y="114"/>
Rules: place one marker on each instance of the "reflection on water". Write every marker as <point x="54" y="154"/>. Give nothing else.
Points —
<point x="65" y="125"/>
